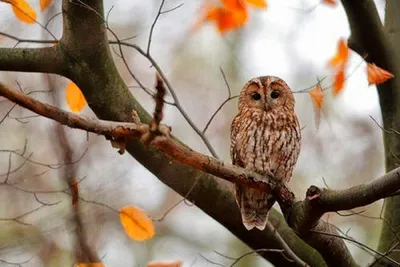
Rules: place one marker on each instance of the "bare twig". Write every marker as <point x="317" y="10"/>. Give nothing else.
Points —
<point x="171" y="90"/>
<point x="177" y="203"/>
<point x="359" y="244"/>
<point x="153" y="25"/>
<point x="287" y="250"/>
<point x="230" y="97"/>
<point x="390" y="131"/>
<point x="258" y="251"/>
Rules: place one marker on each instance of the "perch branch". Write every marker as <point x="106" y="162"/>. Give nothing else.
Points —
<point x="119" y="130"/>
<point x="303" y="216"/>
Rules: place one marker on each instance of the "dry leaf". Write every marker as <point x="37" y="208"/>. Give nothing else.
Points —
<point x="44" y="4"/>
<point x="317" y="98"/>
<point x="342" y="55"/>
<point x="233" y="4"/>
<point x="339" y="62"/>
<point x="339" y="82"/>
<point x="226" y="19"/>
<point x="94" y="264"/>
<point x="164" y="264"/>
<point x="330" y="2"/>
<point x="231" y="15"/>
<point x="75" y="99"/>
<point x="22" y="10"/>
<point x="136" y="223"/>
<point x="377" y="75"/>
<point x="258" y="3"/>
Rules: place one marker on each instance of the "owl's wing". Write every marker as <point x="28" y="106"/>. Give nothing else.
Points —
<point x="233" y="149"/>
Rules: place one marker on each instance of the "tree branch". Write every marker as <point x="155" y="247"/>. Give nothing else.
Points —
<point x="45" y="59"/>
<point x="119" y="130"/>
<point x="303" y="216"/>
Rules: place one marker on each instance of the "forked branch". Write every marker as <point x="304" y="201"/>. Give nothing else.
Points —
<point x="303" y="216"/>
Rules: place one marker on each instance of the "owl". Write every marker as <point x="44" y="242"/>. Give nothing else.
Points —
<point x="265" y="138"/>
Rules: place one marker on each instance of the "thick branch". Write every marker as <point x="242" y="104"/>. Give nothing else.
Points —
<point x="369" y="38"/>
<point x="319" y="201"/>
<point x="357" y="196"/>
<point x="31" y="59"/>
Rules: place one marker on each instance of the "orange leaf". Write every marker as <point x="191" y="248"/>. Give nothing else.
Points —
<point x="232" y="15"/>
<point x="330" y="2"/>
<point x="258" y="3"/>
<point x="377" y="75"/>
<point x="339" y="82"/>
<point x="94" y="264"/>
<point x="342" y="54"/>
<point x="164" y="264"/>
<point x="22" y="10"/>
<point x="317" y="96"/>
<point x="226" y="19"/>
<point x="44" y="4"/>
<point x="75" y="99"/>
<point x="233" y="4"/>
<point x="136" y="223"/>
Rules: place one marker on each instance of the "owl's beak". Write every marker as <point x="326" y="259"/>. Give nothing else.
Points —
<point x="266" y="106"/>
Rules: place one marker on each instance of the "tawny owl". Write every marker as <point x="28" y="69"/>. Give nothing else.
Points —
<point x="265" y="138"/>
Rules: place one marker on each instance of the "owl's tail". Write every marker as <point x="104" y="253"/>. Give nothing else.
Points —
<point x="254" y="206"/>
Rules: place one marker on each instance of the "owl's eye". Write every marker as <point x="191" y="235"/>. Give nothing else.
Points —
<point x="275" y="94"/>
<point x="256" y="96"/>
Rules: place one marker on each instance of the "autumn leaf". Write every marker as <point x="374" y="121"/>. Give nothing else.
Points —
<point x="317" y="98"/>
<point x="44" y="4"/>
<point x="75" y="99"/>
<point x="164" y="264"/>
<point x="339" y="62"/>
<point x="377" y="75"/>
<point x="258" y="3"/>
<point x="136" y="223"/>
<point x="330" y="2"/>
<point x="94" y="264"/>
<point x="22" y="10"/>
<point x="231" y="15"/>
<point x="342" y="55"/>
<point x="338" y="82"/>
<point x="233" y="4"/>
<point x="226" y="19"/>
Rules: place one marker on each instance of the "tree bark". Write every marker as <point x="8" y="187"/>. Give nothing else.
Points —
<point x="371" y="40"/>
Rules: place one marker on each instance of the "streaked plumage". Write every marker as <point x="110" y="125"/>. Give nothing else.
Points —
<point x="265" y="137"/>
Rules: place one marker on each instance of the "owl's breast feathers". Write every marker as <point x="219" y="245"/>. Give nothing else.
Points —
<point x="266" y="142"/>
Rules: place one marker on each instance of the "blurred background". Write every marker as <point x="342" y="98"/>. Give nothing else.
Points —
<point x="292" y="39"/>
